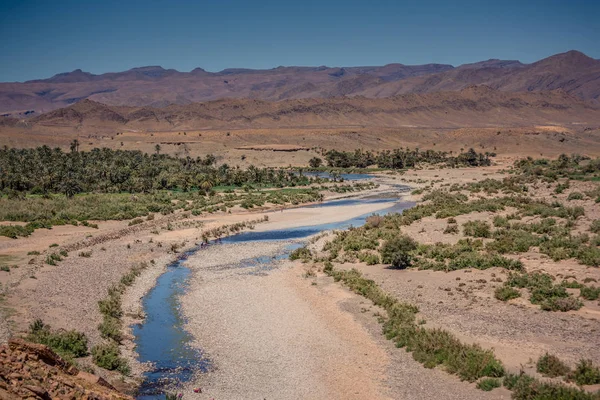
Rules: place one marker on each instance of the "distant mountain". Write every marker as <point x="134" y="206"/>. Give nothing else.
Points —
<point x="477" y="106"/>
<point x="573" y="72"/>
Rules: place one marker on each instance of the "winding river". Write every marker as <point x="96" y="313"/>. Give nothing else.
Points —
<point x="162" y="340"/>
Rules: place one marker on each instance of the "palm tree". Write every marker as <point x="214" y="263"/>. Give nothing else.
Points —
<point x="206" y="185"/>
<point x="75" y="146"/>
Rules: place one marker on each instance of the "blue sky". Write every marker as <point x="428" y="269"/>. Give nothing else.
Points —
<point x="41" y="38"/>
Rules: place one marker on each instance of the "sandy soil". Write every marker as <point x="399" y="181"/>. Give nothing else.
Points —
<point x="274" y="333"/>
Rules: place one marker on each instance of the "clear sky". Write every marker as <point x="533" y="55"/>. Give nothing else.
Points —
<point x="41" y="38"/>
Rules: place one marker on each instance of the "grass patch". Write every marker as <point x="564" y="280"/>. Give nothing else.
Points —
<point x="488" y="384"/>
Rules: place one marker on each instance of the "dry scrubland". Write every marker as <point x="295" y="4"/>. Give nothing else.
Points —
<point x="527" y="289"/>
<point x="486" y="268"/>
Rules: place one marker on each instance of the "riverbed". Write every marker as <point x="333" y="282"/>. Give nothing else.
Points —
<point x="230" y="319"/>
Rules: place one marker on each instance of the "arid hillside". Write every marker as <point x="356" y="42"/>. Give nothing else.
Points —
<point x="573" y="72"/>
<point x="475" y="106"/>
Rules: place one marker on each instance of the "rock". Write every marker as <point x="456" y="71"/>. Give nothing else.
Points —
<point x="91" y="378"/>
<point x="38" y="391"/>
<point x="50" y="377"/>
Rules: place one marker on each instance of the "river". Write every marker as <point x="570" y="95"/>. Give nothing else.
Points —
<point x="162" y="340"/>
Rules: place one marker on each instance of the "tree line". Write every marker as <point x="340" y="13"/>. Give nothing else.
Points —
<point x="403" y="158"/>
<point x="45" y="170"/>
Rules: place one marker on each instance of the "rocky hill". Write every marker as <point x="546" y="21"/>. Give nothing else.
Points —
<point x="33" y="371"/>
<point x="573" y="72"/>
<point x="477" y="106"/>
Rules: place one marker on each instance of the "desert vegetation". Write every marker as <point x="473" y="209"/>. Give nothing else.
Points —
<point x="404" y="158"/>
<point x="518" y="217"/>
<point x="45" y="187"/>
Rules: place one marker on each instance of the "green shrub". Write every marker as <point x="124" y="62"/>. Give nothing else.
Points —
<point x="368" y="258"/>
<point x="575" y="196"/>
<point x="590" y="292"/>
<point x="451" y="229"/>
<point x="544" y="292"/>
<point x="561" y="304"/>
<point x="595" y="226"/>
<point x="505" y="293"/>
<point x="479" y="229"/>
<point x="500" y="222"/>
<point x="14" y="231"/>
<point x="110" y="328"/>
<point x="107" y="356"/>
<point x="135" y="221"/>
<point x="551" y="366"/>
<point x="512" y="241"/>
<point x="302" y="253"/>
<point x="589" y="255"/>
<point x="585" y="373"/>
<point x="561" y="187"/>
<point x="525" y="387"/>
<point x="111" y="305"/>
<point x="488" y="384"/>
<point x="397" y="251"/>
<point x="69" y="344"/>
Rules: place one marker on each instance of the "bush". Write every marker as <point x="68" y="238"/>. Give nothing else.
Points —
<point x="525" y="387"/>
<point x="397" y="251"/>
<point x="315" y="162"/>
<point x="488" y="384"/>
<point x="69" y="344"/>
<point x="500" y="222"/>
<point x="477" y="229"/>
<point x="575" y="196"/>
<point x="585" y="373"/>
<point x="369" y="258"/>
<point x="107" y="356"/>
<point x="14" y="231"/>
<point x="595" y="226"/>
<point x="551" y="366"/>
<point x="505" y="293"/>
<point x="451" y="229"/>
<point x="590" y="292"/>
<point x="110" y="328"/>
<point x="561" y="304"/>
<point x="301" y="253"/>
<point x="135" y="221"/>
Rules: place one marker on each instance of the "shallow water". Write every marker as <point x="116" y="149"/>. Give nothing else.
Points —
<point x="346" y="177"/>
<point x="162" y="340"/>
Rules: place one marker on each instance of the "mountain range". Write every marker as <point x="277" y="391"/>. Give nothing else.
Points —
<point x="475" y="106"/>
<point x="572" y="72"/>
